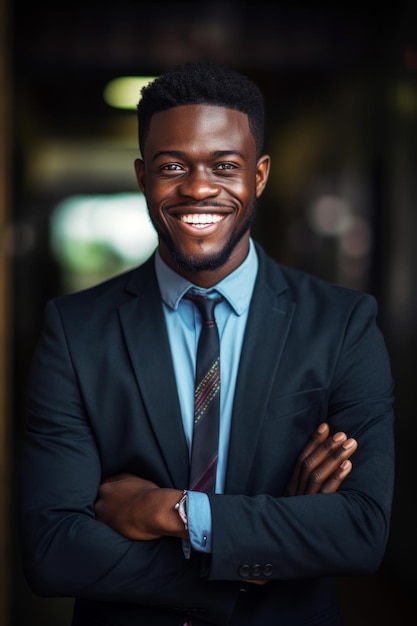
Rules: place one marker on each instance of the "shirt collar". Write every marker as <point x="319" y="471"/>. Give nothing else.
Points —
<point x="236" y="288"/>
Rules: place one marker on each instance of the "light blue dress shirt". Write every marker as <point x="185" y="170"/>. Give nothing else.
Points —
<point x="184" y="324"/>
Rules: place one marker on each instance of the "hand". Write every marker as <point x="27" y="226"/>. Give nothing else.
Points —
<point x="323" y="464"/>
<point x="138" y="509"/>
<point x="321" y="467"/>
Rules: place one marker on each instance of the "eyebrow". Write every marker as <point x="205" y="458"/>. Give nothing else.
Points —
<point x="180" y="154"/>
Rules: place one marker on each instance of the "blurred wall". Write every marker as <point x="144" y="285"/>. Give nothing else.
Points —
<point x="5" y="319"/>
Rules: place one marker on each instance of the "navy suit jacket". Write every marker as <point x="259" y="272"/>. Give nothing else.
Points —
<point x="102" y="399"/>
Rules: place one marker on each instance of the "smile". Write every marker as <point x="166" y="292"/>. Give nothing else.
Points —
<point x="201" y="219"/>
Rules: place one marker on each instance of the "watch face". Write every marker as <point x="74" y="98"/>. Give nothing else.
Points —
<point x="181" y="507"/>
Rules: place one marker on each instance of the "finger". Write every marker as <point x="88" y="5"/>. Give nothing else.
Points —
<point x="319" y="456"/>
<point x="319" y="437"/>
<point x="318" y="466"/>
<point x="327" y="467"/>
<point x="332" y="484"/>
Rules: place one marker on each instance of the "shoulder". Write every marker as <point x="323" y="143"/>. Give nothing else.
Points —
<point x="105" y="298"/>
<point x="305" y="288"/>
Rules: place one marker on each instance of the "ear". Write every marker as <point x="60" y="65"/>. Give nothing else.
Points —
<point x="140" y="175"/>
<point x="262" y="173"/>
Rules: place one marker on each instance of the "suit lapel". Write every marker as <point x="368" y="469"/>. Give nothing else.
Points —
<point x="269" y="320"/>
<point x="147" y="342"/>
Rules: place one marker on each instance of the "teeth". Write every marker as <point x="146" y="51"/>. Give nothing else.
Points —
<point x="196" y="218"/>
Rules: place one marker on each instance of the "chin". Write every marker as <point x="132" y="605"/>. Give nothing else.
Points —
<point x="200" y="262"/>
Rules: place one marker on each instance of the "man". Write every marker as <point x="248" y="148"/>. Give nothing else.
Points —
<point x="107" y="514"/>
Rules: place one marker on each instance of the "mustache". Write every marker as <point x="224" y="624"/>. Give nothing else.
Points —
<point x="201" y="204"/>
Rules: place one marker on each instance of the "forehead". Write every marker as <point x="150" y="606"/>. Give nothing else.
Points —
<point x="193" y="125"/>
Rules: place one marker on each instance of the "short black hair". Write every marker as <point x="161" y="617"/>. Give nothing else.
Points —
<point x="202" y="83"/>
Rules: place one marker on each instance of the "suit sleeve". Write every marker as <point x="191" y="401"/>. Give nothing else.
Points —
<point x="342" y="534"/>
<point x="65" y="550"/>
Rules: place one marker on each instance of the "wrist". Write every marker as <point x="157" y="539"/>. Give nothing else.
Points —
<point x="181" y="508"/>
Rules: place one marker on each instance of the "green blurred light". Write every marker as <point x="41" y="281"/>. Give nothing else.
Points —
<point x="124" y="92"/>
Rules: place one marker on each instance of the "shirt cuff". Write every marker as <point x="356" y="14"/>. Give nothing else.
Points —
<point x="199" y="520"/>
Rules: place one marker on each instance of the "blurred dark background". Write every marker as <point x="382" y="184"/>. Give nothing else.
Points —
<point x="341" y="91"/>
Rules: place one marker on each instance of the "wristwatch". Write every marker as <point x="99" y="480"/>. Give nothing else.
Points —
<point x="181" y="508"/>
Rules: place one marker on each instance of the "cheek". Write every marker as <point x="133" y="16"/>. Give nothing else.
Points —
<point x="246" y="192"/>
<point x="155" y="203"/>
<point x="153" y="210"/>
<point x="154" y="195"/>
<point x="159" y="191"/>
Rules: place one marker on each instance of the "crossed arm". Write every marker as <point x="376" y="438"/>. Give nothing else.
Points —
<point x="140" y="510"/>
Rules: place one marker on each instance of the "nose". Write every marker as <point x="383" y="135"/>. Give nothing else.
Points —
<point x="199" y="184"/>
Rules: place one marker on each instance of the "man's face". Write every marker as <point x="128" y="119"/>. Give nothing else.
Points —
<point x="201" y="180"/>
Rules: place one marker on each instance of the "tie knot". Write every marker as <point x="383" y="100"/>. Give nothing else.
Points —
<point x="204" y="304"/>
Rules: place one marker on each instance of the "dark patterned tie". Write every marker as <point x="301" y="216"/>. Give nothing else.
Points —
<point x="206" y="399"/>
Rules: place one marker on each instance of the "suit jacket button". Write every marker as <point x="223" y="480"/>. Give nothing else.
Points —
<point x="256" y="570"/>
<point x="267" y="569"/>
<point x="244" y="571"/>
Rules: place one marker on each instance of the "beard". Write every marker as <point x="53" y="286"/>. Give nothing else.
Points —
<point x="207" y="263"/>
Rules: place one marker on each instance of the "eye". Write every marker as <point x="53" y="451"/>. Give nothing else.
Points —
<point x="226" y="166"/>
<point x="172" y="167"/>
